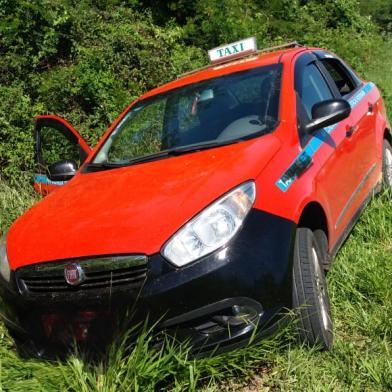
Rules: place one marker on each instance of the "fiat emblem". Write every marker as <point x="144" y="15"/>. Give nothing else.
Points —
<point x="74" y="274"/>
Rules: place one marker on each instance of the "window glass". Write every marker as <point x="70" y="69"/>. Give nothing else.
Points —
<point x="140" y="133"/>
<point x="185" y="121"/>
<point x="222" y="109"/>
<point x="340" y="76"/>
<point x="55" y="147"/>
<point x="312" y="88"/>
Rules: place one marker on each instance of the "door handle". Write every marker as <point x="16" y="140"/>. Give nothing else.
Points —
<point x="350" y="129"/>
<point x="370" y="108"/>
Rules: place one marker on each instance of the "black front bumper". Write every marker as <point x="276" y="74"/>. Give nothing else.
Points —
<point x="217" y="300"/>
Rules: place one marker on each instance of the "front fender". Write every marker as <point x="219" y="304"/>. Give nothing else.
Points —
<point x="382" y="124"/>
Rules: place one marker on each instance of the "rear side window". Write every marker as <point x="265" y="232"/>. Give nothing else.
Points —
<point x="312" y="88"/>
<point x="341" y="77"/>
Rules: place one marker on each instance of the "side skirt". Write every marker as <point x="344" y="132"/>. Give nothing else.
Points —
<point x="342" y="239"/>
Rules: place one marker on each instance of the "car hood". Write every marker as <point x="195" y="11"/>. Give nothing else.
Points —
<point x="133" y="209"/>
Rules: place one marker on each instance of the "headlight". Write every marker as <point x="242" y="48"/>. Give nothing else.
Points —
<point x="4" y="266"/>
<point x="212" y="228"/>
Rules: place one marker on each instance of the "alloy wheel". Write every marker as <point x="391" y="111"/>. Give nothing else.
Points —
<point x="321" y="291"/>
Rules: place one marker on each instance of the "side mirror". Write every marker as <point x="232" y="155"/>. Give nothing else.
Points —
<point x="327" y="113"/>
<point x="62" y="170"/>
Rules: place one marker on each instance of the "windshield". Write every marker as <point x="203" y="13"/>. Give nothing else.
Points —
<point x="209" y="113"/>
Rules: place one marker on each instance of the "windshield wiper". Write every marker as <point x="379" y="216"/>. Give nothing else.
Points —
<point x="175" y="151"/>
<point x="115" y="165"/>
<point x="103" y="165"/>
<point x="194" y="148"/>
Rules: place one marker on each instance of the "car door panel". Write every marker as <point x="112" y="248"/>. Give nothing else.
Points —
<point x="327" y="146"/>
<point x="355" y="157"/>
<point x="55" y="139"/>
<point x="359" y="142"/>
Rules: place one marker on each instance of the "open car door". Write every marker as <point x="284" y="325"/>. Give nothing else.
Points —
<point x="59" y="152"/>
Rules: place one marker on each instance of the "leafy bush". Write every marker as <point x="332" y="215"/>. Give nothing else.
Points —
<point x="82" y="61"/>
<point x="87" y="60"/>
<point x="380" y="11"/>
<point x="16" y="147"/>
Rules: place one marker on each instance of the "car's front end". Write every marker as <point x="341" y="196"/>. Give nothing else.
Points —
<point x="161" y="224"/>
<point x="218" y="300"/>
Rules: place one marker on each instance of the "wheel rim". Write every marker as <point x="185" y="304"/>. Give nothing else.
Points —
<point x="321" y="291"/>
<point x="388" y="166"/>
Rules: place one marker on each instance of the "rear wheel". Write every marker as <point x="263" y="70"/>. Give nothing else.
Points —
<point x="310" y="295"/>
<point x="387" y="165"/>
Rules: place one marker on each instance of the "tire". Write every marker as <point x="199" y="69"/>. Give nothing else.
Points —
<point x="387" y="165"/>
<point x="310" y="295"/>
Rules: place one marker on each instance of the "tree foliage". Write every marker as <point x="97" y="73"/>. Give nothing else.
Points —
<point x="380" y="12"/>
<point x="86" y="60"/>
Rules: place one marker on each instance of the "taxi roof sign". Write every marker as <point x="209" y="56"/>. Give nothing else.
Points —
<point x="232" y="51"/>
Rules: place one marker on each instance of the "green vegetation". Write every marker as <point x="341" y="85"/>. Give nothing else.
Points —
<point x="86" y="60"/>
<point x="380" y="11"/>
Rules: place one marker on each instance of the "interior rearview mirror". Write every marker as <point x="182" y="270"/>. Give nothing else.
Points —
<point x="327" y="113"/>
<point x="62" y="170"/>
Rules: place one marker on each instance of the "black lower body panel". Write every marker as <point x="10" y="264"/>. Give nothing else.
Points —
<point x="218" y="300"/>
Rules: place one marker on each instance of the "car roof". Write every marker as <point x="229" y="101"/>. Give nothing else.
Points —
<point x="241" y="64"/>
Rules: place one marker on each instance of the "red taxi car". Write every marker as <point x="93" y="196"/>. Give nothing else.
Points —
<point x="212" y="205"/>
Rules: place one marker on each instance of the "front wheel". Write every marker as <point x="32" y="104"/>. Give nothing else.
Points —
<point x="310" y="295"/>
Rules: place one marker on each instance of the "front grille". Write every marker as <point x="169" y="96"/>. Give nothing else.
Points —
<point x="105" y="273"/>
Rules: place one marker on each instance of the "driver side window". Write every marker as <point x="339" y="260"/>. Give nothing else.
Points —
<point x="55" y="147"/>
<point x="311" y="88"/>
